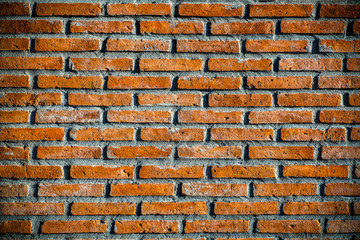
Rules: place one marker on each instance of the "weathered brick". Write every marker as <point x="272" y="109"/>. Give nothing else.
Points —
<point x="138" y="152"/>
<point x="216" y="226"/>
<point x="355" y="134"/>
<point x="322" y="171"/>
<point x="210" y="10"/>
<point x="137" y="45"/>
<point x="102" y="172"/>
<point x="305" y="134"/>
<point x="283" y="10"/>
<point x="285" y="189"/>
<point x="172" y="134"/>
<point x="211" y="83"/>
<point x="241" y="134"/>
<point x="309" y="64"/>
<point x="31" y="26"/>
<point x="316" y="208"/>
<point x="14" y="81"/>
<point x="327" y="45"/>
<point x="31" y="134"/>
<point x="39" y="63"/>
<point x="109" y="99"/>
<point x="146" y="226"/>
<point x="284" y="46"/>
<point x="85" y="82"/>
<point x="343" y="226"/>
<point x="135" y="116"/>
<point x="284" y="152"/>
<point x="222" y="152"/>
<point x="64" y="152"/>
<point x="101" y="26"/>
<point x="101" y="64"/>
<point x="14" y="44"/>
<point x="340" y="152"/>
<point x="173" y="208"/>
<point x="195" y="116"/>
<point x="339" y="116"/>
<point x="237" y="171"/>
<point x="356" y="208"/>
<point x="10" y="153"/>
<point x="70" y="190"/>
<point x="280" y="117"/>
<point x="168" y="64"/>
<point x="312" y="27"/>
<point x="15" y="190"/>
<point x="68" y="9"/>
<point x="201" y="46"/>
<point x="339" y="82"/>
<point x="242" y="28"/>
<point x="171" y="27"/>
<point x="342" y="189"/>
<point x="181" y="99"/>
<point x="167" y="172"/>
<point x="246" y="208"/>
<point x="14" y="8"/>
<point x="30" y="99"/>
<point x="67" y="116"/>
<point x="234" y="64"/>
<point x="31" y="171"/>
<point x="95" y="208"/>
<point x="339" y="11"/>
<point x="288" y="226"/>
<point x="31" y="208"/>
<point x="66" y="44"/>
<point x="143" y="189"/>
<point x="214" y="189"/>
<point x="354" y="99"/>
<point x="80" y="226"/>
<point x="274" y="82"/>
<point x="22" y="227"/>
<point x="353" y="64"/>
<point x="102" y="134"/>
<point x="240" y="100"/>
<point x="356" y="27"/>
<point x="14" y="116"/>
<point x="129" y="9"/>
<point x="308" y="100"/>
<point x="138" y="82"/>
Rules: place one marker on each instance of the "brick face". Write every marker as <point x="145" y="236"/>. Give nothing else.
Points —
<point x="194" y="120"/>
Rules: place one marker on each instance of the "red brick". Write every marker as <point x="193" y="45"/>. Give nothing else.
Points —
<point x="280" y="10"/>
<point x="316" y="208"/>
<point x="24" y="99"/>
<point x="173" y="208"/>
<point x="31" y="26"/>
<point x="214" y="46"/>
<point x="102" y="172"/>
<point x="342" y="189"/>
<point x="280" y="117"/>
<point x="343" y="226"/>
<point x="237" y="171"/>
<point x="138" y="152"/>
<point x="327" y="45"/>
<point x="171" y="27"/>
<point x="181" y="99"/>
<point x="309" y="64"/>
<point x="339" y="11"/>
<point x="222" y="152"/>
<point x="146" y="226"/>
<point x="339" y="116"/>
<point x="129" y="9"/>
<point x="95" y="208"/>
<point x="210" y="10"/>
<point x="277" y="46"/>
<point x="31" y="134"/>
<point x="64" y="152"/>
<point x="354" y="99"/>
<point x="85" y="82"/>
<point x="137" y="45"/>
<point x="309" y="100"/>
<point x="196" y="116"/>
<point x="340" y="152"/>
<point x="10" y="153"/>
<point x="22" y="227"/>
<point x="70" y="190"/>
<point x="312" y="27"/>
<point x="234" y="64"/>
<point x="135" y="116"/>
<point x="285" y="189"/>
<point x="143" y="189"/>
<point x="14" y="81"/>
<point x="41" y="172"/>
<point x="15" y="190"/>
<point x="339" y="82"/>
<point x="353" y="64"/>
<point x="285" y="152"/>
<point x="304" y="134"/>
<point x="272" y="82"/>
<point x="288" y="226"/>
<point x="40" y="63"/>
<point x="14" y="116"/>
<point x="356" y="27"/>
<point x="167" y="64"/>
<point x="14" y="44"/>
<point x="216" y="226"/>
<point x="110" y="99"/>
<point x="211" y="83"/>
<point x="167" y="172"/>
<point x="355" y="134"/>
<point x="66" y="44"/>
<point x="138" y="82"/>
<point x="68" y="9"/>
<point x="240" y="28"/>
<point x="67" y="116"/>
<point x="241" y="134"/>
<point x="80" y="226"/>
<point x="214" y="189"/>
<point x="172" y="134"/>
<point x="102" y="134"/>
<point x="101" y="64"/>
<point x="101" y="27"/>
<point x="31" y="208"/>
<point x="246" y="208"/>
<point x="14" y="8"/>
<point x="240" y="100"/>
<point x="322" y="171"/>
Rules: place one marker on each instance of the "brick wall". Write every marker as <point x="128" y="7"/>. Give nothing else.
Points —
<point x="172" y="120"/>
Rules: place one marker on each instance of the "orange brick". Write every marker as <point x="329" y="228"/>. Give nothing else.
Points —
<point x="222" y="152"/>
<point x="356" y="208"/>
<point x="66" y="44"/>
<point x="339" y="116"/>
<point x="67" y="116"/>
<point x="64" y="152"/>
<point x="277" y="46"/>
<point x="70" y="190"/>
<point x="216" y="226"/>
<point x="214" y="46"/>
<point x="240" y="28"/>
<point x="110" y="99"/>
<point x="288" y="226"/>
<point x="31" y="26"/>
<point x="204" y="83"/>
<point x="304" y="134"/>
<point x="356" y="27"/>
<point x="322" y="171"/>
<point x="87" y="82"/>
<point x="340" y="152"/>
<point x="137" y="45"/>
<point x="343" y="226"/>
<point x="134" y="116"/>
<point x="355" y="134"/>
<point x="342" y="189"/>
<point x="14" y="44"/>
<point x="101" y="26"/>
<point x="14" y="8"/>
<point x="68" y="9"/>
<point x="172" y="134"/>
<point x="14" y="81"/>
<point x="339" y="11"/>
<point x="172" y="208"/>
<point x="101" y="64"/>
<point x="143" y="189"/>
<point x="167" y="172"/>
<point x="272" y="82"/>
<point x="237" y="171"/>
<point x="40" y="63"/>
<point x="357" y="172"/>
<point x="353" y="64"/>
<point x="14" y="116"/>
<point x="22" y="227"/>
<point x="308" y="100"/>
<point x="23" y="99"/>
<point x="210" y="117"/>
<point x="138" y="152"/>
<point x="146" y="226"/>
<point x="309" y="64"/>
<point x="285" y="189"/>
<point x="41" y="172"/>
<point x="15" y="190"/>
<point x="171" y="27"/>
<point x="129" y="9"/>
<point x="92" y="208"/>
<point x="31" y="208"/>
<point x="327" y="45"/>
<point x="233" y="64"/>
<point x="246" y="208"/>
<point x="316" y="208"/>
<point x="241" y="134"/>
<point x="210" y="10"/>
<point x="312" y="27"/>
<point x="339" y="82"/>
<point x="167" y="64"/>
<point x="9" y="153"/>
<point x="280" y="117"/>
<point x="102" y="172"/>
<point x="214" y="189"/>
<point x="80" y="226"/>
<point x="354" y="99"/>
<point x="280" y="10"/>
<point x="102" y="134"/>
<point x="31" y="134"/>
<point x="285" y="152"/>
<point x="181" y="99"/>
<point x="138" y="82"/>
<point x="240" y="100"/>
